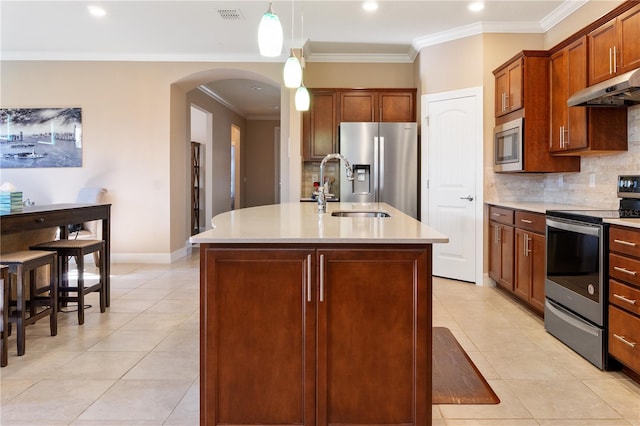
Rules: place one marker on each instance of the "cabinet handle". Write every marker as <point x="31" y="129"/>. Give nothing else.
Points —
<point x="565" y="140"/>
<point x="615" y="60"/>
<point x="498" y="234"/>
<point x="322" y="277"/>
<point x="625" y="271"/>
<point x="308" y="278"/>
<point x="497" y="214"/>
<point x="624" y="299"/>
<point x="526" y="245"/>
<point x="506" y="101"/>
<point x="526" y="221"/>
<point x="625" y="341"/>
<point x="561" y="137"/>
<point x="610" y="63"/>
<point x="625" y="243"/>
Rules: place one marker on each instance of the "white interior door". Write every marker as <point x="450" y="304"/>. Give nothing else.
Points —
<point x="452" y="180"/>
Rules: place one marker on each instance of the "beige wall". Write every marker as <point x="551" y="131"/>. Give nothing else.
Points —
<point x="259" y="187"/>
<point x="136" y="141"/>
<point x="217" y="158"/>
<point x="354" y="75"/>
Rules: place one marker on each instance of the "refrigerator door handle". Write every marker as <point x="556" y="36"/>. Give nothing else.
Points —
<point x="381" y="159"/>
<point x="376" y="169"/>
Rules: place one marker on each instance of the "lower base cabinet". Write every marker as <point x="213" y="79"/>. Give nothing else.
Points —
<point x="530" y="268"/>
<point x="316" y="335"/>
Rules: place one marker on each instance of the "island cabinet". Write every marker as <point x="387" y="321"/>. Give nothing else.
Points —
<point x="318" y="334"/>
<point x="624" y="297"/>
<point x="501" y="260"/>
<point x="614" y="47"/>
<point x="581" y="130"/>
<point x="530" y="257"/>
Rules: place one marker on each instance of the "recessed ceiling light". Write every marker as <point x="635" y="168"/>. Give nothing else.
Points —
<point x="476" y="6"/>
<point x="97" y="11"/>
<point x="370" y="6"/>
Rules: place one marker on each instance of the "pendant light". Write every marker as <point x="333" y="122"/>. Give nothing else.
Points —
<point x="302" y="99"/>
<point x="270" y="34"/>
<point x="292" y="72"/>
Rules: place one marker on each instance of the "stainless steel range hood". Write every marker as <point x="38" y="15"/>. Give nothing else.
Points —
<point x="620" y="91"/>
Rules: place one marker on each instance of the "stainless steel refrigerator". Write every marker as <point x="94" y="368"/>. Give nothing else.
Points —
<point x="384" y="157"/>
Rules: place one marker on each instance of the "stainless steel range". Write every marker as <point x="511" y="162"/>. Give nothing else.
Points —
<point x="576" y="268"/>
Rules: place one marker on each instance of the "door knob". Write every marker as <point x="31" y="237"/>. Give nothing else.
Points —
<point x="468" y="197"/>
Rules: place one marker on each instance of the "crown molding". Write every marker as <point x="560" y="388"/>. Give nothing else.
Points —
<point x="560" y="13"/>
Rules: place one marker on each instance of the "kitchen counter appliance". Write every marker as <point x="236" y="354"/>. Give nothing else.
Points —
<point x="384" y="157"/>
<point x="576" y="288"/>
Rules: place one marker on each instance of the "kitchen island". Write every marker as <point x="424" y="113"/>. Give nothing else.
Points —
<point x="310" y="318"/>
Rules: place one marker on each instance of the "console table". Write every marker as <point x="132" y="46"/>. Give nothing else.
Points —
<point x="52" y="215"/>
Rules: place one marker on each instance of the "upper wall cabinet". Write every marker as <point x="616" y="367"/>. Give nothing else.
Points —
<point x="581" y="130"/>
<point x="378" y="105"/>
<point x="330" y="107"/>
<point x="614" y="47"/>
<point x="320" y="125"/>
<point x="533" y="98"/>
<point x="509" y="87"/>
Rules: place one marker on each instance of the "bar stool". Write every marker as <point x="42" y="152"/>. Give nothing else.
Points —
<point x="20" y="264"/>
<point x="77" y="249"/>
<point x="5" y="288"/>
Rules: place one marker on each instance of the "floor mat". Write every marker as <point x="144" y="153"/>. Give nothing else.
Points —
<point x="456" y="380"/>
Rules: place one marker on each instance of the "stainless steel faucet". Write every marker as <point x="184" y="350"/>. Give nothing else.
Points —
<point x="322" y="197"/>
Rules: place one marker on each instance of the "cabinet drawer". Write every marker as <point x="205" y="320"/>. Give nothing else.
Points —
<point x="501" y="215"/>
<point x="624" y="296"/>
<point x="624" y="240"/>
<point x="624" y="269"/>
<point x="530" y="221"/>
<point x="624" y="337"/>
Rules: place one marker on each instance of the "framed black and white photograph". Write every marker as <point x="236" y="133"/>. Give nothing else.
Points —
<point x="40" y="137"/>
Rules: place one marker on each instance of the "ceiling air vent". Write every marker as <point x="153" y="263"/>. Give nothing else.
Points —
<point x="230" y="14"/>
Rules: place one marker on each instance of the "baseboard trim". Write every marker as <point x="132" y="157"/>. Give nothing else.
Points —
<point x="149" y="257"/>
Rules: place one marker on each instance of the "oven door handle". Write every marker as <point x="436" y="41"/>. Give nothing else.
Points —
<point x="581" y="229"/>
<point x="571" y="319"/>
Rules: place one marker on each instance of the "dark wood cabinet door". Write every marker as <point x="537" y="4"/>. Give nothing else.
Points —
<point x="258" y="354"/>
<point x="320" y="125"/>
<point x="559" y="93"/>
<point x="507" y="265"/>
<point x="516" y="95"/>
<point x="502" y="87"/>
<point x="576" y="137"/>
<point x="397" y="107"/>
<point x="358" y="106"/>
<point x="538" y="247"/>
<point x="372" y="309"/>
<point x="601" y="43"/>
<point x="629" y="40"/>
<point x="522" y="284"/>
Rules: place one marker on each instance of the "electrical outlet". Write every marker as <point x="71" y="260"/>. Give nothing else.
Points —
<point x="592" y="180"/>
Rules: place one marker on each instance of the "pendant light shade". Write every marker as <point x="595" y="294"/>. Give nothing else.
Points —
<point x="292" y="72"/>
<point x="270" y="34"/>
<point x="302" y="99"/>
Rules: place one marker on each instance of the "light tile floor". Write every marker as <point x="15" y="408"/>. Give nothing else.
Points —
<point x="138" y="362"/>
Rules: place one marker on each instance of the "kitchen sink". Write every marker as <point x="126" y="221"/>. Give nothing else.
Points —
<point x="360" y="213"/>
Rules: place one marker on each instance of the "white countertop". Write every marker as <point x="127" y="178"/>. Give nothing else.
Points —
<point x="301" y="223"/>
<point x="536" y="206"/>
<point x="632" y="223"/>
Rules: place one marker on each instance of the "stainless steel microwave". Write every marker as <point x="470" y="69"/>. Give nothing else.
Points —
<point x="508" y="146"/>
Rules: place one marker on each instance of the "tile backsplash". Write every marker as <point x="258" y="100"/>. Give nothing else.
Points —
<point x="594" y="186"/>
<point x="311" y="169"/>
